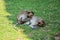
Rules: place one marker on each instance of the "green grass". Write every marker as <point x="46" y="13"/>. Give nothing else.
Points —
<point x="49" y="10"/>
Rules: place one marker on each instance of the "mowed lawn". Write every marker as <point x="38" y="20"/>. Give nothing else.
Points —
<point x="49" y="10"/>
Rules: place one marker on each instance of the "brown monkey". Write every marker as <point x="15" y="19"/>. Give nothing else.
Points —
<point x="24" y="17"/>
<point x="36" y="21"/>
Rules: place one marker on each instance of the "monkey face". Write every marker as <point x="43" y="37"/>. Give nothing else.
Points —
<point x="42" y="23"/>
<point x="30" y="14"/>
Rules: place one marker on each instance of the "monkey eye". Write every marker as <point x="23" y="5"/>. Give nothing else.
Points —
<point x="28" y="12"/>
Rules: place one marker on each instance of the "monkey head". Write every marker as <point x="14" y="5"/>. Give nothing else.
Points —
<point x="30" y="14"/>
<point x="41" y="24"/>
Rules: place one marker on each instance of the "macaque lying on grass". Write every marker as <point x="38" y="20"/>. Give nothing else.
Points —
<point x="36" y="21"/>
<point x="24" y="17"/>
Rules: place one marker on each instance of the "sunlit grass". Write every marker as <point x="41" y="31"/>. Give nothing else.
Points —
<point x="7" y="32"/>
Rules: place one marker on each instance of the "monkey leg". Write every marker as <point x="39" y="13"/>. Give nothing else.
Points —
<point x="33" y="26"/>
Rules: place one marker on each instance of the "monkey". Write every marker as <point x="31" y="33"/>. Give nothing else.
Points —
<point x="36" y="21"/>
<point x="24" y="17"/>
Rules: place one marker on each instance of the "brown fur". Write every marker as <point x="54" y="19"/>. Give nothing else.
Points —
<point x="41" y="24"/>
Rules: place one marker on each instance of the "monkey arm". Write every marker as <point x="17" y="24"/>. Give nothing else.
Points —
<point x="27" y="23"/>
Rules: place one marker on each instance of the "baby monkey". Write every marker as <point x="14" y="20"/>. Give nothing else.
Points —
<point x="36" y="21"/>
<point x="24" y="17"/>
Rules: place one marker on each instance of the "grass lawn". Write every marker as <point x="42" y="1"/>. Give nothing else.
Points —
<point x="49" y="10"/>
